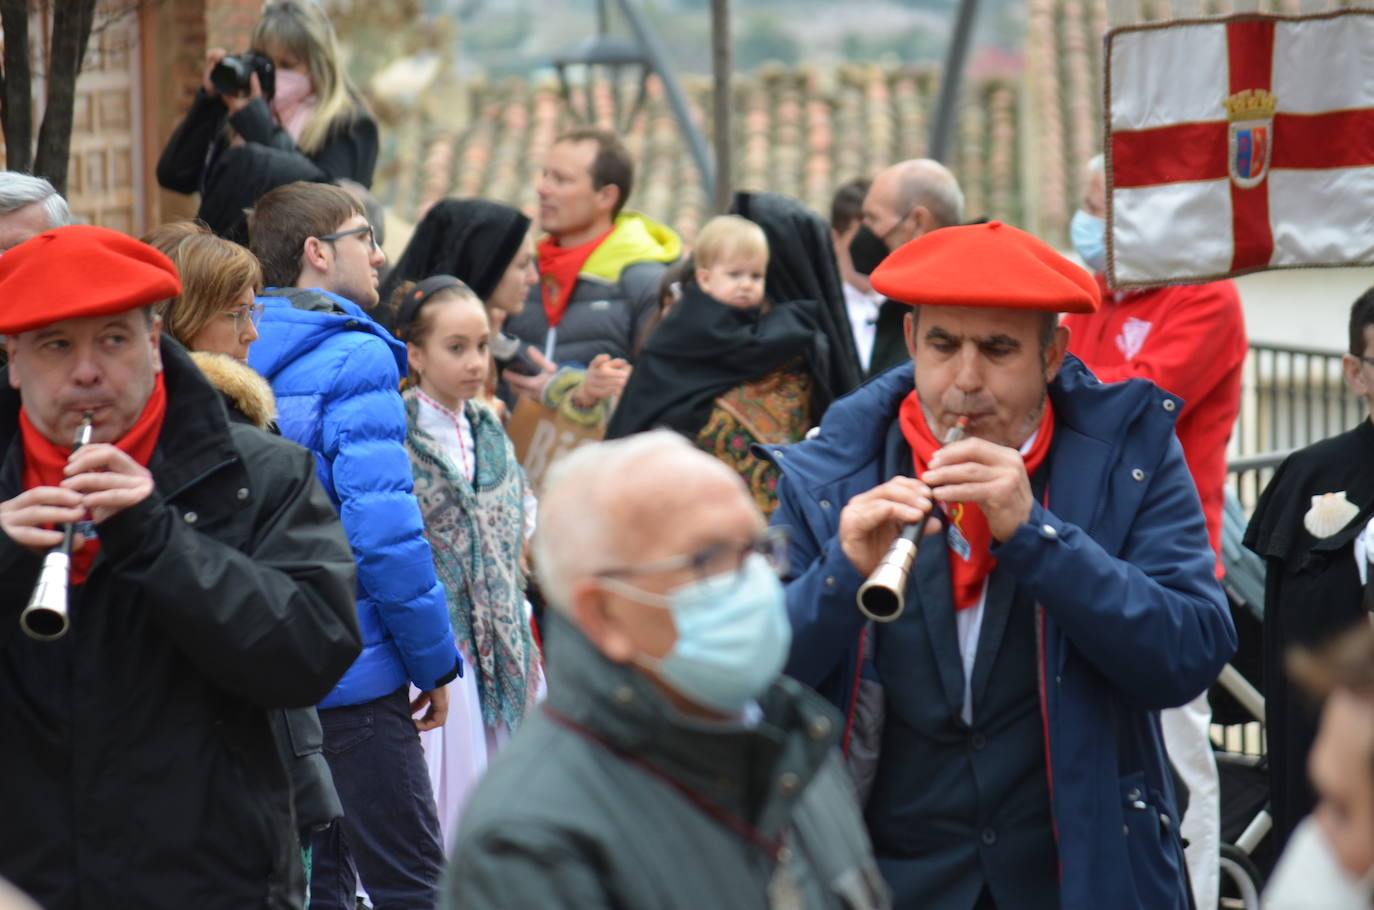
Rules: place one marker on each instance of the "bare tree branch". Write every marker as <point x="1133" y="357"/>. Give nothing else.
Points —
<point x="16" y="102"/>
<point x="71" y="30"/>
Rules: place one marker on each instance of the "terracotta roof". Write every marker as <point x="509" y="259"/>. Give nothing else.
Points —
<point x="799" y="131"/>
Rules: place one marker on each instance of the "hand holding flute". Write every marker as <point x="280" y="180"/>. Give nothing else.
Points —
<point x="46" y="616"/>
<point x="970" y="470"/>
<point x="883" y="595"/>
<point x="99" y="480"/>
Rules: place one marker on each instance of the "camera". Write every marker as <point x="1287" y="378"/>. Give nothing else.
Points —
<point x="513" y="356"/>
<point x="230" y="76"/>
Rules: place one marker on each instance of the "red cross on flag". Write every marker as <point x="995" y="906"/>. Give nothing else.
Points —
<point x="1239" y="144"/>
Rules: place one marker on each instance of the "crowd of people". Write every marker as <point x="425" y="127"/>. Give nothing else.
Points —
<point x="330" y="647"/>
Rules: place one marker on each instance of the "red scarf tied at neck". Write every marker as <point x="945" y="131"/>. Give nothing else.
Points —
<point x="559" y="267"/>
<point x="970" y="539"/>
<point x="44" y="460"/>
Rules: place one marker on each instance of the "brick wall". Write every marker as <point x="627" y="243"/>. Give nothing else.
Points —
<point x="174" y="34"/>
<point x="229" y="23"/>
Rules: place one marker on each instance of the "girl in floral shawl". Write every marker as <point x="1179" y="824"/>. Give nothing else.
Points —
<point x="473" y="496"/>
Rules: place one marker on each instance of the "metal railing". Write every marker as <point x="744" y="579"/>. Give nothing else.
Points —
<point x="1290" y="397"/>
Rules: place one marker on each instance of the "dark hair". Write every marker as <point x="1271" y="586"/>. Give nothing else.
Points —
<point x="1361" y="315"/>
<point x="416" y="330"/>
<point x="680" y="273"/>
<point x="284" y="217"/>
<point x="475" y="240"/>
<point x="846" y="206"/>
<point x="1047" y="331"/>
<point x="612" y="164"/>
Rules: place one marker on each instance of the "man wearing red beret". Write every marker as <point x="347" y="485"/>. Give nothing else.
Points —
<point x="1003" y="729"/>
<point x="209" y="582"/>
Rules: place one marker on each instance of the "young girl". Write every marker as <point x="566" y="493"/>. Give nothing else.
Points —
<point x="473" y="497"/>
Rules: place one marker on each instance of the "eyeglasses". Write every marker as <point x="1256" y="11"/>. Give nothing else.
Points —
<point x="366" y="230"/>
<point x="252" y="313"/>
<point x="725" y="558"/>
<point x="1365" y="360"/>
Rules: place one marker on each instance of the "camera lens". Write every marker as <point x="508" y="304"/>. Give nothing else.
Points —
<point x="230" y="76"/>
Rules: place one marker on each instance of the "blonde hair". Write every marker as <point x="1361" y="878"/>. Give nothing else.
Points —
<point x="302" y="29"/>
<point x="214" y="272"/>
<point x="728" y="235"/>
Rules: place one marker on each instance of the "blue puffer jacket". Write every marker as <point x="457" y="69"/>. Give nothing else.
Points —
<point x="335" y="373"/>
<point x="1131" y="618"/>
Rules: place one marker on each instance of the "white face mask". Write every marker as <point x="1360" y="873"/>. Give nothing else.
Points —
<point x="1308" y="876"/>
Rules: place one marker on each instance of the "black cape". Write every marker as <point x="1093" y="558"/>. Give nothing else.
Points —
<point x="703" y="348"/>
<point x="801" y="266"/>
<point x="473" y="240"/>
<point x="1312" y="592"/>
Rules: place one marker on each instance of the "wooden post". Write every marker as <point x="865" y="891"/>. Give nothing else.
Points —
<point x="722" y="65"/>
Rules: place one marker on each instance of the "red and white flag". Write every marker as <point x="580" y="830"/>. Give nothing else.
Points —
<point x="1239" y="144"/>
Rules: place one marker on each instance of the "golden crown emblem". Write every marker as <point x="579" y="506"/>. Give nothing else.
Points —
<point x="1250" y="104"/>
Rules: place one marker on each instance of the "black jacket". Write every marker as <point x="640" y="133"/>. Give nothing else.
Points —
<point x="139" y="767"/>
<point x="248" y="399"/>
<point x="197" y="159"/>
<point x="1312" y="594"/>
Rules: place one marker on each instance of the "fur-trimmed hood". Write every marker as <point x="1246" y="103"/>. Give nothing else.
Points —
<point x="242" y="386"/>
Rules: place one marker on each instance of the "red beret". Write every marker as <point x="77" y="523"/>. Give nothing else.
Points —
<point x="80" y="271"/>
<point x="985" y="265"/>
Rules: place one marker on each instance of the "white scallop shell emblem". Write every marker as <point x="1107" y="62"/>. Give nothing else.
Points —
<point x="1329" y="513"/>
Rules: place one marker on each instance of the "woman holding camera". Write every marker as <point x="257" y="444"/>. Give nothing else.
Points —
<point x="284" y="111"/>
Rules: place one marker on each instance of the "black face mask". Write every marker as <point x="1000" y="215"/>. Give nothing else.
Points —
<point x="867" y="250"/>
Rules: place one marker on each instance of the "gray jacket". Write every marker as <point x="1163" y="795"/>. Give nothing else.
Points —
<point x="578" y="811"/>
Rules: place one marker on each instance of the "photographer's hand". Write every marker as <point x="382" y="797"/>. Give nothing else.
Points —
<point x="212" y="59"/>
<point x="236" y="103"/>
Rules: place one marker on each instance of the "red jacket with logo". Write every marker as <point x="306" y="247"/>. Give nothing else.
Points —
<point x="1190" y="341"/>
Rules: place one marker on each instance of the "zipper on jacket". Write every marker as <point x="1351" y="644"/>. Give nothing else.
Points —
<point x="1040" y="663"/>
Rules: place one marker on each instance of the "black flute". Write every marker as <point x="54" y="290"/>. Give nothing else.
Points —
<point x="883" y="596"/>
<point x="45" y="618"/>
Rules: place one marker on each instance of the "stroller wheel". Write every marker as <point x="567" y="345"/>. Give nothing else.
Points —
<point x="1240" y="880"/>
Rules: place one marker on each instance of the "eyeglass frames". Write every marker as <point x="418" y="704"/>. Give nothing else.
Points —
<point x="716" y="559"/>
<point x="369" y="240"/>
<point x="253" y="313"/>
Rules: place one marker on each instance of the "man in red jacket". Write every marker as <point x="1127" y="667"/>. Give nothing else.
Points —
<point x="1189" y="340"/>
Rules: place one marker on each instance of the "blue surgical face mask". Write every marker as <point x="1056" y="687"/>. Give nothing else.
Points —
<point x="1089" y="236"/>
<point x="732" y="635"/>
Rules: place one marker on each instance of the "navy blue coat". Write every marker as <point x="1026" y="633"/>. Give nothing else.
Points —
<point x="1130" y="617"/>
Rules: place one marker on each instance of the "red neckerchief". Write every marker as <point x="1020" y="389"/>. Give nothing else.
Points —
<point x="967" y="573"/>
<point x="559" y="267"/>
<point x="44" y="460"/>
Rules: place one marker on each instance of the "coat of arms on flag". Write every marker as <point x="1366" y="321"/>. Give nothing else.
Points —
<point x="1239" y="144"/>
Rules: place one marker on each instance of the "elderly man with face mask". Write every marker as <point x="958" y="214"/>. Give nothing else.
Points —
<point x="209" y="582"/>
<point x="670" y="767"/>
<point x="1062" y="595"/>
